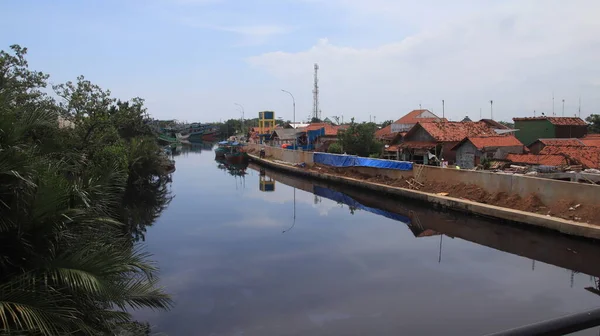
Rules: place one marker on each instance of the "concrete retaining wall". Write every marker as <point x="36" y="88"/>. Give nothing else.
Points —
<point x="549" y="191"/>
<point x="552" y="223"/>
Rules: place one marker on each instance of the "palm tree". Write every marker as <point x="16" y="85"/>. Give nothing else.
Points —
<point x="65" y="265"/>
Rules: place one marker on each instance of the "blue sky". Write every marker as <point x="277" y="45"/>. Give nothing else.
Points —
<point x="193" y="59"/>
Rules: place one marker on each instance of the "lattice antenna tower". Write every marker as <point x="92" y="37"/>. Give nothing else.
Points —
<point x="316" y="111"/>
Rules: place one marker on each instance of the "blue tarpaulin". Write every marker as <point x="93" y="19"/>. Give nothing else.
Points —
<point x="337" y="160"/>
<point x="345" y="199"/>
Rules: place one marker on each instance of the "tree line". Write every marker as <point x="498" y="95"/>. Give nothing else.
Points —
<point x="74" y="199"/>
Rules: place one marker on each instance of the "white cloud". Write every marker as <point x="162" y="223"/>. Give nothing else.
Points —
<point x="467" y="52"/>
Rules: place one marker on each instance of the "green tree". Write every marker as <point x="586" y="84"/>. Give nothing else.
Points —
<point x="594" y="123"/>
<point x="68" y="264"/>
<point x="359" y="139"/>
<point x="335" y="148"/>
<point x="386" y="123"/>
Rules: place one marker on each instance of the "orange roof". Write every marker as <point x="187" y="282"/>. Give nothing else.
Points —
<point x="448" y="131"/>
<point x="589" y="157"/>
<point x="418" y="144"/>
<point x="561" y="142"/>
<point x="481" y="142"/>
<point x="544" y="160"/>
<point x="592" y="140"/>
<point x="412" y="117"/>
<point x="559" y="121"/>
<point x="329" y="129"/>
<point x="392" y="148"/>
<point x="383" y="132"/>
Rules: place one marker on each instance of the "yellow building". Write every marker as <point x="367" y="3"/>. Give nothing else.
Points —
<point x="266" y="124"/>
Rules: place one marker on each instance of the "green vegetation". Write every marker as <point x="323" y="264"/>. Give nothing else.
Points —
<point x="594" y="121"/>
<point x="359" y="139"/>
<point x="335" y="148"/>
<point x="73" y="201"/>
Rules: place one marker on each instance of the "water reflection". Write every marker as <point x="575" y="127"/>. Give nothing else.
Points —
<point x="293" y="261"/>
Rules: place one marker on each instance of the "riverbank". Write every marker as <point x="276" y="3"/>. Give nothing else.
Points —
<point x="446" y="200"/>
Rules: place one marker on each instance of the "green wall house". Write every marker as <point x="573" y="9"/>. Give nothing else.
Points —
<point x="532" y="129"/>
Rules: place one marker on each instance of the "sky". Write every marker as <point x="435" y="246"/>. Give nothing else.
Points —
<point x="193" y="60"/>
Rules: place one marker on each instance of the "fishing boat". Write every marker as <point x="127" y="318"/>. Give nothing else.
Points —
<point x="222" y="148"/>
<point x="202" y="132"/>
<point x="236" y="153"/>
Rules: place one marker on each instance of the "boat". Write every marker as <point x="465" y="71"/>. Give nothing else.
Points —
<point x="235" y="153"/>
<point x="222" y="148"/>
<point x="202" y="132"/>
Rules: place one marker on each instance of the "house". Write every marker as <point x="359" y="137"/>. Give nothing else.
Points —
<point x="287" y="136"/>
<point x="438" y="138"/>
<point x="405" y="123"/>
<point x="537" y="146"/>
<point x="587" y="157"/>
<point x="472" y="150"/>
<point x="534" y="128"/>
<point x="538" y="160"/>
<point x="321" y="135"/>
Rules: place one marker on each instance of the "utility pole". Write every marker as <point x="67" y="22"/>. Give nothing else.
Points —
<point x="480" y="115"/>
<point x="579" y="110"/>
<point x="443" y="110"/>
<point x="242" y="116"/>
<point x="492" y="109"/>
<point x="563" y="112"/>
<point x="553" y="114"/>
<point x="294" y="116"/>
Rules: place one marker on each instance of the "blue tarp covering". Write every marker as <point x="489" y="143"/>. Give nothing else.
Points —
<point x="343" y="198"/>
<point x="336" y="160"/>
<point x="223" y="142"/>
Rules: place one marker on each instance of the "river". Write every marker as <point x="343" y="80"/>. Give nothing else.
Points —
<point x="306" y="259"/>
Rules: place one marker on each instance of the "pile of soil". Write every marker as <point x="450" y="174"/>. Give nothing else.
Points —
<point x="585" y="213"/>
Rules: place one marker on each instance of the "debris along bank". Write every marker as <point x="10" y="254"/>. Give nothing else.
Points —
<point x="438" y="187"/>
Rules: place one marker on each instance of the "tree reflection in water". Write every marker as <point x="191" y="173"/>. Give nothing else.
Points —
<point x="143" y="203"/>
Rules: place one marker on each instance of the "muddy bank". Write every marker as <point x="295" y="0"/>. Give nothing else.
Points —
<point x="566" y="209"/>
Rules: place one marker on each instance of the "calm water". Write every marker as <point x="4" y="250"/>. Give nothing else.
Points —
<point x="238" y="263"/>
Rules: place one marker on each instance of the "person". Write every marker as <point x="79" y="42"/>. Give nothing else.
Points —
<point x="262" y="153"/>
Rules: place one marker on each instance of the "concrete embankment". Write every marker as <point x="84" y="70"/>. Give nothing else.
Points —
<point x="536" y="220"/>
<point x="573" y="253"/>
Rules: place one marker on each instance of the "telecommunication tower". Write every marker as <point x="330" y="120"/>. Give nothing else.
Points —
<point x="316" y="111"/>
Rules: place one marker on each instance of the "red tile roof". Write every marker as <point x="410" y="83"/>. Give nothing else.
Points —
<point x="591" y="140"/>
<point x="494" y="141"/>
<point x="449" y="131"/>
<point x="330" y="130"/>
<point x="560" y="121"/>
<point x="392" y="148"/>
<point x="589" y="157"/>
<point x="493" y="123"/>
<point x="383" y="132"/>
<point x="418" y="144"/>
<point x="544" y="160"/>
<point x="561" y="142"/>
<point x="412" y="117"/>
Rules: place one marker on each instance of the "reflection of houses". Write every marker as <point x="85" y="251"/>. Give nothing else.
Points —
<point x="532" y="129"/>
<point x="429" y="139"/>
<point x="472" y="150"/>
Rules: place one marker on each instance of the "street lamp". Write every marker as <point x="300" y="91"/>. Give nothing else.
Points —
<point x="294" y="117"/>
<point x="242" y="116"/>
